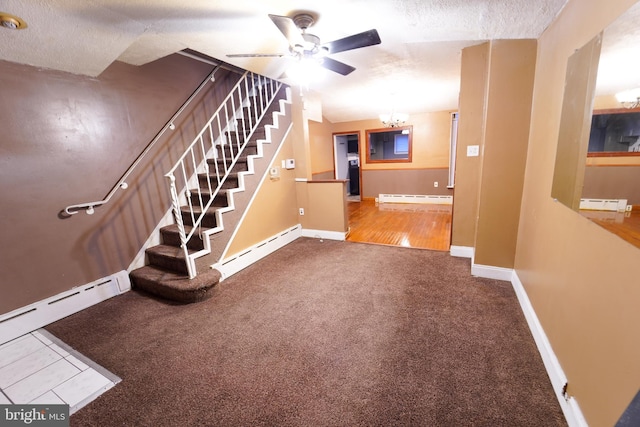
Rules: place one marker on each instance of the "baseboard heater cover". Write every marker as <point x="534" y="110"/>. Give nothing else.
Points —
<point x="34" y="316"/>
<point x="618" y="205"/>
<point x="230" y="266"/>
<point x="411" y="198"/>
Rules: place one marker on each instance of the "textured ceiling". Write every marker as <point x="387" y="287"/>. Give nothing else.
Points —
<point x="415" y="69"/>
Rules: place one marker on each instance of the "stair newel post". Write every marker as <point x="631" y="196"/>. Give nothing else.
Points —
<point x="175" y="204"/>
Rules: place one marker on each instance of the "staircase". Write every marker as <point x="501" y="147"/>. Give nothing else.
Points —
<point x="235" y="147"/>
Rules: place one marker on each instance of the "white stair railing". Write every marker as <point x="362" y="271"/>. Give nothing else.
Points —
<point x="193" y="184"/>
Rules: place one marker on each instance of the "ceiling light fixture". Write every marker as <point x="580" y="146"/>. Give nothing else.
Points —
<point x="629" y="98"/>
<point x="306" y="70"/>
<point x="11" y="22"/>
<point x="394" y="119"/>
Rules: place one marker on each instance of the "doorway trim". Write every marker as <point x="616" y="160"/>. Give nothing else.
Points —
<point x="334" y="136"/>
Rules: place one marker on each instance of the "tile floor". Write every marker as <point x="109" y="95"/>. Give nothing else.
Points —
<point x="38" y="368"/>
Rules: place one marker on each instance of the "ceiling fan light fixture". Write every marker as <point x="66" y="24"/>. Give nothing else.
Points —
<point x="305" y="71"/>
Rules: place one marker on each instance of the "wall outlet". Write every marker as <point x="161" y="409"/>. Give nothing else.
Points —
<point x="628" y="208"/>
<point x="473" y="150"/>
<point x="301" y="211"/>
<point x="435" y="184"/>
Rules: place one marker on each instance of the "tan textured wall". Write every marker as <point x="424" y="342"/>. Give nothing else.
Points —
<point x="321" y="147"/>
<point x="508" y="109"/>
<point x="273" y="208"/>
<point x="581" y="280"/>
<point x="473" y="88"/>
<point x="67" y="139"/>
<point x="327" y="206"/>
<point x="575" y="124"/>
<point x="431" y="140"/>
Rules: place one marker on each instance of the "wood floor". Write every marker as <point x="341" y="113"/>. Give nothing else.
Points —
<point x="400" y="224"/>
<point x="429" y="226"/>
<point x="624" y="224"/>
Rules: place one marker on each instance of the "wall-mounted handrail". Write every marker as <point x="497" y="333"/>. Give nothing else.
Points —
<point x="122" y="184"/>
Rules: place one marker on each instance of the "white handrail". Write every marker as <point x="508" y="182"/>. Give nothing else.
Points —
<point x="211" y="143"/>
<point x="89" y="207"/>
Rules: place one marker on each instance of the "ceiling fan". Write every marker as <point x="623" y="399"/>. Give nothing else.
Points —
<point x="304" y="45"/>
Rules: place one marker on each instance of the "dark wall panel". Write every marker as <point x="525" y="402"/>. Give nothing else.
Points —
<point x="405" y="181"/>
<point x="612" y="182"/>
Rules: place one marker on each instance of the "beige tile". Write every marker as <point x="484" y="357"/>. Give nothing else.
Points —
<point x="19" y="348"/>
<point x="42" y="381"/>
<point x="61" y="351"/>
<point x="49" y="398"/>
<point x="42" y="337"/>
<point x="13" y="341"/>
<point x="77" y="362"/>
<point x="82" y="386"/>
<point x="26" y="366"/>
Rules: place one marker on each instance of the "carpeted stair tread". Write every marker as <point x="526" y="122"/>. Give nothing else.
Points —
<point x="175" y="286"/>
<point x="171" y="236"/>
<point x="208" y="220"/>
<point x="168" y="257"/>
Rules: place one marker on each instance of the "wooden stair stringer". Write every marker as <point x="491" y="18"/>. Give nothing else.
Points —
<point x="228" y="218"/>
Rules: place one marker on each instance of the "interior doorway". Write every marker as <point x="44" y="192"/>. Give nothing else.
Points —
<point x="346" y="157"/>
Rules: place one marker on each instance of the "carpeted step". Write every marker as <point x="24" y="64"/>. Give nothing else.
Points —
<point x="208" y="221"/>
<point x="173" y="286"/>
<point x="171" y="236"/>
<point x="168" y="257"/>
<point x="259" y="133"/>
<point x="230" y="182"/>
<point x="240" y="166"/>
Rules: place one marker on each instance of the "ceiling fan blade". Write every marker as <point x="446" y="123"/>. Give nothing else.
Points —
<point x="256" y="55"/>
<point x="289" y="29"/>
<point x="337" y="66"/>
<point x="356" y="41"/>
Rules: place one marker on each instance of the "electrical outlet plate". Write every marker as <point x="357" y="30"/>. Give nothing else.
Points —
<point x="628" y="208"/>
<point x="301" y="211"/>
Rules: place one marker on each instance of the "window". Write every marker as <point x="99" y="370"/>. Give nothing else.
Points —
<point x="401" y="144"/>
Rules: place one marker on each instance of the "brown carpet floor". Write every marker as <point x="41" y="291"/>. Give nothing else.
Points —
<point x="321" y="334"/>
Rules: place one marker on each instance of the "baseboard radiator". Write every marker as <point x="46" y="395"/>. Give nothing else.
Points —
<point x="34" y="316"/>
<point x="618" y="205"/>
<point x="233" y="264"/>
<point x="411" y="198"/>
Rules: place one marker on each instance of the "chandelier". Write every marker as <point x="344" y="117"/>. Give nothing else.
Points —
<point x="393" y="120"/>
<point x="629" y="98"/>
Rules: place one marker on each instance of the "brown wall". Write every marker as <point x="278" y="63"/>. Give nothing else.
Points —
<point x="582" y="281"/>
<point x="67" y="139"/>
<point x="612" y="182"/>
<point x="405" y="181"/>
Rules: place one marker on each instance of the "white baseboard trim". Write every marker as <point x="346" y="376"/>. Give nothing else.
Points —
<point x="324" y="234"/>
<point x="569" y="405"/>
<point x="461" y="251"/>
<point x="34" y="316"/>
<point x="230" y="266"/>
<point x="491" y="272"/>
<point x="415" y="198"/>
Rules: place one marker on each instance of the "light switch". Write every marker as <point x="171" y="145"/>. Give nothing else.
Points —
<point x="473" y="150"/>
